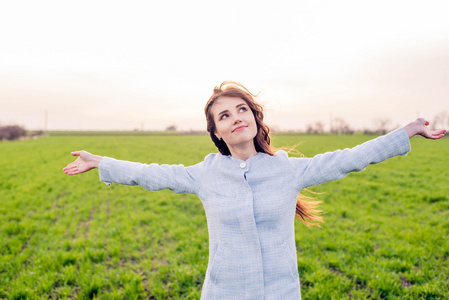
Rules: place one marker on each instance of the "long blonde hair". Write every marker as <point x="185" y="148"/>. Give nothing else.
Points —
<point x="306" y="210"/>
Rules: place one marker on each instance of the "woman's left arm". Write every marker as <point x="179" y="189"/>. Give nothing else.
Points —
<point x="419" y="127"/>
<point x="338" y="164"/>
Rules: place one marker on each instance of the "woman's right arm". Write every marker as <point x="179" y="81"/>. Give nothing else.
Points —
<point x="85" y="162"/>
<point x="152" y="177"/>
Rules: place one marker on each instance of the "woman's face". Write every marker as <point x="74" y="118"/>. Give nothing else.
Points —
<point x="234" y="121"/>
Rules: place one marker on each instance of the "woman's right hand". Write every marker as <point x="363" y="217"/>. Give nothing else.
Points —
<point x="83" y="163"/>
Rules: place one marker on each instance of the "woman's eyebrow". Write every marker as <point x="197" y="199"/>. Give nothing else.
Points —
<point x="227" y="110"/>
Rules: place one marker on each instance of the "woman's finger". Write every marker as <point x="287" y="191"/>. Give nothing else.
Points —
<point x="70" y="167"/>
<point x="72" y="172"/>
<point x="437" y="134"/>
<point x="74" y="163"/>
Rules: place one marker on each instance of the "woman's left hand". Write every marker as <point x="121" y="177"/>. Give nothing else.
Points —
<point x="419" y="127"/>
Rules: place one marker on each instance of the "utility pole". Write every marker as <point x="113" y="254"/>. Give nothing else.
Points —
<point x="46" y="121"/>
<point x="330" y="123"/>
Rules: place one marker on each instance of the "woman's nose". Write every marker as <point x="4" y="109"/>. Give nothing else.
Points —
<point x="237" y="120"/>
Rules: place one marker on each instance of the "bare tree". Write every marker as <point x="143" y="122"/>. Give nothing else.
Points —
<point x="440" y="120"/>
<point x="341" y="126"/>
<point x="317" y="127"/>
<point x="381" y="125"/>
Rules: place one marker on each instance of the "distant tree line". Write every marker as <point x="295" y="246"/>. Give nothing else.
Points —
<point x="12" y="132"/>
<point x="337" y="126"/>
<point x="380" y="125"/>
<point x="15" y="132"/>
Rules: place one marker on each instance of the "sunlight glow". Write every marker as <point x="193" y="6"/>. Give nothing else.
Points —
<point x="116" y="65"/>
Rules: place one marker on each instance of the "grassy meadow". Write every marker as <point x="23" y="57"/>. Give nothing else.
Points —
<point x="385" y="236"/>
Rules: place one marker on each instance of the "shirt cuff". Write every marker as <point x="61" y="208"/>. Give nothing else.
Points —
<point x="402" y="141"/>
<point x="103" y="170"/>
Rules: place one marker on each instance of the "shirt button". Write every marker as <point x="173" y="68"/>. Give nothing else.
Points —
<point x="242" y="165"/>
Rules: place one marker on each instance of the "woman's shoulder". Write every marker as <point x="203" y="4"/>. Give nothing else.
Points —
<point x="284" y="155"/>
<point x="213" y="158"/>
<point x="280" y="153"/>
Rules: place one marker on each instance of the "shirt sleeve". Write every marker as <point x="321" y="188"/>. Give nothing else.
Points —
<point x="152" y="177"/>
<point x="338" y="164"/>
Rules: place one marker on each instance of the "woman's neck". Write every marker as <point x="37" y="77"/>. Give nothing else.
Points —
<point x="243" y="153"/>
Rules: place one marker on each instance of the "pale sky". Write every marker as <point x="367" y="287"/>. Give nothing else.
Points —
<point x="124" y="65"/>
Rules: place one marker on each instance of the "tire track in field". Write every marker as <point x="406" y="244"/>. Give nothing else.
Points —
<point x="86" y="224"/>
<point x="58" y="206"/>
<point x="107" y="210"/>
<point x="67" y="233"/>
<point x="82" y="222"/>
<point x="144" y="250"/>
<point x="358" y="284"/>
<point x="129" y="261"/>
<point x="55" y="207"/>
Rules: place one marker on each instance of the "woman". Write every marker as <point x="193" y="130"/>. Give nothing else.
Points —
<point x="249" y="193"/>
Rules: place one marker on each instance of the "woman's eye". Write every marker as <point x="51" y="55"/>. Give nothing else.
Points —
<point x="242" y="109"/>
<point x="224" y="116"/>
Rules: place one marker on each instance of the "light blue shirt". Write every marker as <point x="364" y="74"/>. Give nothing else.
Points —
<point x="250" y="209"/>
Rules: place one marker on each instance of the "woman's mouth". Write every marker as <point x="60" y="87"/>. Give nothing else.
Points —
<point x="239" y="128"/>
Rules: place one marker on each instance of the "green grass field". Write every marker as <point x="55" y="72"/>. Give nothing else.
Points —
<point x="61" y="237"/>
